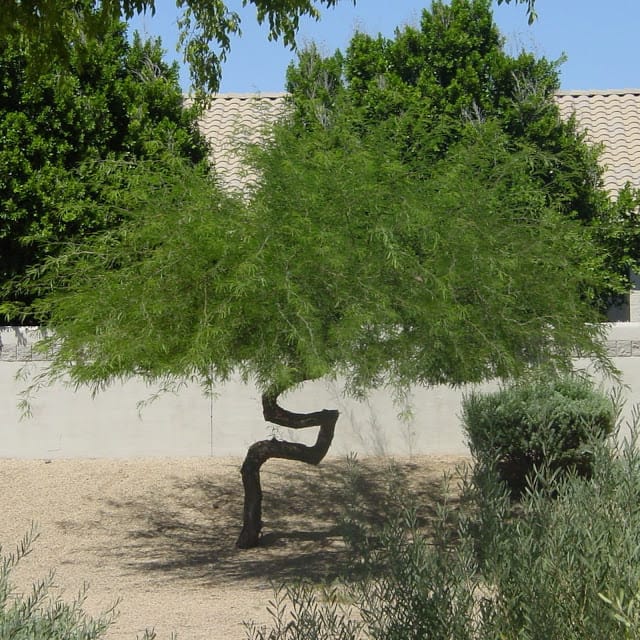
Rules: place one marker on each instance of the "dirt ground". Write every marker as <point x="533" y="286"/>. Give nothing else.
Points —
<point x="158" y="534"/>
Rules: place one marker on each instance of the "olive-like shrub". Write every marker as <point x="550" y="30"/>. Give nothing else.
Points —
<point x="544" y="420"/>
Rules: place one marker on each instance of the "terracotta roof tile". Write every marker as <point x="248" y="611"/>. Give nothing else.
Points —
<point x="232" y="121"/>
<point x="610" y="118"/>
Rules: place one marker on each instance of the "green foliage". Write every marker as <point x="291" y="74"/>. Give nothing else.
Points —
<point x="56" y="27"/>
<point x="563" y="567"/>
<point x="343" y="262"/>
<point x="624" y="609"/>
<point x="313" y="616"/>
<point x="345" y="258"/>
<point x="159" y="272"/>
<point x="617" y="230"/>
<point x="428" y="83"/>
<point x="416" y="588"/>
<point x="554" y="561"/>
<point x="449" y="70"/>
<point x="39" y="614"/>
<point x="544" y="420"/>
<point x="116" y="100"/>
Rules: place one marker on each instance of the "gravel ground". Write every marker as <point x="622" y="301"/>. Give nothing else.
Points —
<point x="158" y="535"/>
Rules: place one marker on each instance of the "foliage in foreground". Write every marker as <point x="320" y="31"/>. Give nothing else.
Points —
<point x="564" y="564"/>
<point x="55" y="29"/>
<point x="38" y="614"/>
<point x="42" y="615"/>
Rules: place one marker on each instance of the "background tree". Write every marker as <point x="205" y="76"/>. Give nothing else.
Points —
<point x="428" y="82"/>
<point x="206" y="27"/>
<point x="59" y="129"/>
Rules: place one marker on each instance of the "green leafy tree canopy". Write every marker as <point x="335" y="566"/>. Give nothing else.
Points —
<point x="342" y="264"/>
<point x="206" y="26"/>
<point x="118" y="100"/>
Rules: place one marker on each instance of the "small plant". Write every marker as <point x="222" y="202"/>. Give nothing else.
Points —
<point x="299" y="612"/>
<point x="542" y="420"/>
<point x="421" y="586"/>
<point x="408" y="585"/>
<point x="38" y="615"/>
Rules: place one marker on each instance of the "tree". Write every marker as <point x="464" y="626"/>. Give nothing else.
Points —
<point x="342" y="264"/>
<point x="450" y="69"/>
<point x="428" y="82"/>
<point x="351" y="257"/>
<point x="61" y="127"/>
<point x="206" y="27"/>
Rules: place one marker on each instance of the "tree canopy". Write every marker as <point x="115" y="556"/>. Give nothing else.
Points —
<point x="57" y="27"/>
<point x="342" y="263"/>
<point x="406" y="168"/>
<point x="429" y="81"/>
<point x="372" y="248"/>
<point x="61" y="127"/>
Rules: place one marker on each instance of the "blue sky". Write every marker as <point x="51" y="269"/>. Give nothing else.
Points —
<point x="599" y="39"/>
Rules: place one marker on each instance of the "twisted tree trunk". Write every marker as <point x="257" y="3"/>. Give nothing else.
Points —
<point x="261" y="451"/>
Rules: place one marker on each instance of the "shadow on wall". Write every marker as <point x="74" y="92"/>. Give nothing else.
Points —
<point x="67" y="423"/>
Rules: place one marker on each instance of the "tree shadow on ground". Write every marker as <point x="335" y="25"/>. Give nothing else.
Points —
<point x="189" y="531"/>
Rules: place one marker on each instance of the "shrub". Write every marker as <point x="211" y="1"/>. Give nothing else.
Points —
<point x="41" y="615"/>
<point x="567" y="567"/>
<point x="551" y="420"/>
<point x="414" y="588"/>
<point x="299" y="612"/>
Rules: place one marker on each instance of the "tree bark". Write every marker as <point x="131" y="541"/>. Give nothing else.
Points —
<point x="261" y="451"/>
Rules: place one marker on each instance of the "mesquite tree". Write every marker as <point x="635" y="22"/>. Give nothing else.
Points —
<point x="341" y="264"/>
<point x="349" y="258"/>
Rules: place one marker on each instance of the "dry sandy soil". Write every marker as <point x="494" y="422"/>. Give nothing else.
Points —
<point x="158" y="534"/>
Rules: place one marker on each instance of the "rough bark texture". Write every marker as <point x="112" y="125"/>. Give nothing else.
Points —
<point x="261" y="451"/>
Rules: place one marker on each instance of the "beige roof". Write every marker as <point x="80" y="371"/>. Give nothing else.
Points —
<point x="610" y="118"/>
<point x="233" y="120"/>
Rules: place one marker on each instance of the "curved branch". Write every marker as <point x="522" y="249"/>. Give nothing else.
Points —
<point x="261" y="451"/>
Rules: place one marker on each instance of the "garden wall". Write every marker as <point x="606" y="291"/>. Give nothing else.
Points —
<point x="68" y="423"/>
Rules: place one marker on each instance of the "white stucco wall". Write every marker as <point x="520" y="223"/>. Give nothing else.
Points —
<point x="67" y="423"/>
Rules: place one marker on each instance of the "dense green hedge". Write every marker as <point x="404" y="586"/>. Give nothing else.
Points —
<point x="548" y="420"/>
